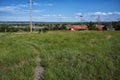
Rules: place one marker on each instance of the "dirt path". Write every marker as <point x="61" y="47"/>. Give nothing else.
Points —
<point x="39" y="69"/>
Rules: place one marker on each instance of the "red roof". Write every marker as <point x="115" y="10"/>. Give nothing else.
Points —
<point x="100" y="27"/>
<point x="78" y="27"/>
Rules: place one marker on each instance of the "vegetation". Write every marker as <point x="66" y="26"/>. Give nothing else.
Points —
<point x="82" y="55"/>
<point x="91" y="26"/>
<point x="53" y="26"/>
<point x="13" y="28"/>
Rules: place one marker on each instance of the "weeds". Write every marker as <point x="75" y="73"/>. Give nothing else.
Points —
<point x="81" y="55"/>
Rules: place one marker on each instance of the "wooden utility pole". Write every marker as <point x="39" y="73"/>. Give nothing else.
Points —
<point x="30" y="15"/>
<point x="81" y="18"/>
<point x="98" y="20"/>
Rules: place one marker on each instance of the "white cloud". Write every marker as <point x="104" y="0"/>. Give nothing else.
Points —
<point x="18" y="9"/>
<point x="78" y="14"/>
<point x="109" y="13"/>
<point x="100" y="13"/>
<point x="14" y="18"/>
<point x="36" y="4"/>
<point x="8" y="8"/>
<point x="92" y="16"/>
<point x="118" y="13"/>
<point x="23" y="5"/>
<point x="57" y="16"/>
<point x="14" y="9"/>
<point x="49" y="4"/>
<point x="52" y="15"/>
<point x="21" y="8"/>
<point x="40" y="4"/>
<point x="104" y="13"/>
<point x="46" y="15"/>
<point x="37" y="11"/>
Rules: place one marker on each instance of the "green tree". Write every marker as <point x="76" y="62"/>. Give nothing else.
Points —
<point x="116" y="25"/>
<point x="91" y="26"/>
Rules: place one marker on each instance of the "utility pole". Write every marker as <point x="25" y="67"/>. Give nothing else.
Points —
<point x="98" y="20"/>
<point x="81" y="18"/>
<point x="30" y="15"/>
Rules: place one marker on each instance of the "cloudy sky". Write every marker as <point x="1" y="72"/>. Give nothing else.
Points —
<point x="60" y="10"/>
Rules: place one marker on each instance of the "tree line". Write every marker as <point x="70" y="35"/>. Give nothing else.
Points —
<point x="53" y="26"/>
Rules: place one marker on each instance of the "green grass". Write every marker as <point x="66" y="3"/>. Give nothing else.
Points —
<point x="66" y="55"/>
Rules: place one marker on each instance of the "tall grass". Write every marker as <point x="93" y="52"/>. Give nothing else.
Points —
<point x="17" y="59"/>
<point x="82" y="55"/>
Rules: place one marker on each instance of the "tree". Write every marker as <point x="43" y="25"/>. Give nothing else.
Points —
<point x="91" y="26"/>
<point x="63" y="27"/>
<point x="3" y="27"/>
<point x="116" y="25"/>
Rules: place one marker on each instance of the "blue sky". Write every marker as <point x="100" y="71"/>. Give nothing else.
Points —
<point x="60" y="10"/>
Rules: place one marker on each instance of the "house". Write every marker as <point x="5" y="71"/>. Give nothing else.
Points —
<point x="110" y="27"/>
<point x="106" y="27"/>
<point x="99" y="27"/>
<point x="78" y="27"/>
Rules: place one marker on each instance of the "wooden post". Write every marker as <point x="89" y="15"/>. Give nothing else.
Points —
<point x="30" y="15"/>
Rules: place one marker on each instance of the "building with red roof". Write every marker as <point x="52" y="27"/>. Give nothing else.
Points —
<point x="99" y="27"/>
<point x="78" y="27"/>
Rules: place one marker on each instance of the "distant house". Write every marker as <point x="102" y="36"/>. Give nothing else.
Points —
<point x="99" y="27"/>
<point x="78" y="27"/>
<point x="110" y="27"/>
<point x="106" y="27"/>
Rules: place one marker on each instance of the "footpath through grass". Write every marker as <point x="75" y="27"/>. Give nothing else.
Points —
<point x="66" y="55"/>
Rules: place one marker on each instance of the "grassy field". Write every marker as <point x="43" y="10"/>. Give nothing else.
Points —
<point x="65" y="55"/>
